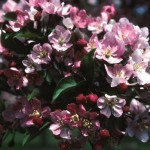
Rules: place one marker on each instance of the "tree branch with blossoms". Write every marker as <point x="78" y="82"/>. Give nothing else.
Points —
<point x="86" y="79"/>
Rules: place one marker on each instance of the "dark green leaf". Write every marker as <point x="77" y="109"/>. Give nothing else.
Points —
<point x="66" y="84"/>
<point x="33" y="94"/>
<point x="87" y="66"/>
<point x="30" y="136"/>
<point x="10" y="16"/>
<point x="25" y="33"/>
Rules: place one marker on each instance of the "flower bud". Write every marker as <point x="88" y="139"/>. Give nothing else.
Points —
<point x="7" y="54"/>
<point x="81" y="43"/>
<point x="37" y="16"/>
<point x="126" y="109"/>
<point x="37" y="120"/>
<point x="81" y="99"/>
<point x="104" y="133"/>
<point x="122" y="87"/>
<point x="12" y="64"/>
<point x="92" y="98"/>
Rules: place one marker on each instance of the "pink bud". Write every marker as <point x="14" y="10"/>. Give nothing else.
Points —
<point x="81" y="99"/>
<point x="104" y="133"/>
<point x="92" y="98"/>
<point x="81" y="43"/>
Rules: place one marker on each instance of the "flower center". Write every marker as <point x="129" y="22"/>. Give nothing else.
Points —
<point x="137" y="67"/>
<point x="61" y="40"/>
<point x="43" y="53"/>
<point x="87" y="123"/>
<point x="108" y="53"/>
<point x="35" y="113"/>
<point x="75" y="118"/>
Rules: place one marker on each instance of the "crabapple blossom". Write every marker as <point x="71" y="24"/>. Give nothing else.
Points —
<point x="30" y="65"/>
<point x="97" y="25"/>
<point x="126" y="31"/>
<point x="59" y="125"/>
<point x="22" y="19"/>
<point x="111" y="105"/>
<point x="139" y="125"/>
<point x="15" y="78"/>
<point x="79" y="17"/>
<point x="41" y="54"/>
<point x="50" y="7"/>
<point x="60" y="38"/>
<point x="118" y="74"/>
<point x="111" y="49"/>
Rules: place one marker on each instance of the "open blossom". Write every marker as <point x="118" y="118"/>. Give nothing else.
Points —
<point x="118" y="74"/>
<point x="97" y="26"/>
<point x="111" y="105"/>
<point x="60" y="38"/>
<point x="32" y="113"/>
<point x="30" y="65"/>
<point x="21" y="21"/>
<point x="93" y="43"/>
<point x="79" y="17"/>
<point x="126" y="31"/>
<point x="59" y="125"/>
<point x="84" y="120"/>
<point x="41" y="54"/>
<point x="64" y="10"/>
<point x="34" y="3"/>
<point x="109" y="10"/>
<point x="140" y="123"/>
<point x="15" y="78"/>
<point x="9" y="6"/>
<point x="110" y="49"/>
<point x="50" y="7"/>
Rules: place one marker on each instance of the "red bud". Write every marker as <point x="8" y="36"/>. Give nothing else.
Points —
<point x="104" y="133"/>
<point x="81" y="99"/>
<point x="92" y="98"/>
<point x="37" y="120"/>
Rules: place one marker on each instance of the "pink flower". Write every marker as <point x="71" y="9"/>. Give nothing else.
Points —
<point x="79" y="17"/>
<point x="10" y="6"/>
<point x="50" y="7"/>
<point x="110" y="49"/>
<point x="93" y="43"/>
<point x="118" y="74"/>
<point x="109" y="10"/>
<point x="30" y="65"/>
<point x="59" y="126"/>
<point x="84" y="120"/>
<point x="60" y="38"/>
<point x="111" y="105"/>
<point x="15" y="78"/>
<point x="22" y="19"/>
<point x="140" y="123"/>
<point x="97" y="26"/>
<point x="35" y="3"/>
<point x="64" y="10"/>
<point x="126" y="31"/>
<point x="41" y="54"/>
<point x="32" y="113"/>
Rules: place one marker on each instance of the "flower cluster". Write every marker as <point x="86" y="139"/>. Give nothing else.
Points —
<point x="84" y="78"/>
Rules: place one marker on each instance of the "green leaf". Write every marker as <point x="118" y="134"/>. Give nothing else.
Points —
<point x="65" y="85"/>
<point x="30" y="136"/>
<point x="33" y="94"/>
<point x="25" y="33"/>
<point x="10" y="16"/>
<point x="48" y="77"/>
<point x="87" y="66"/>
